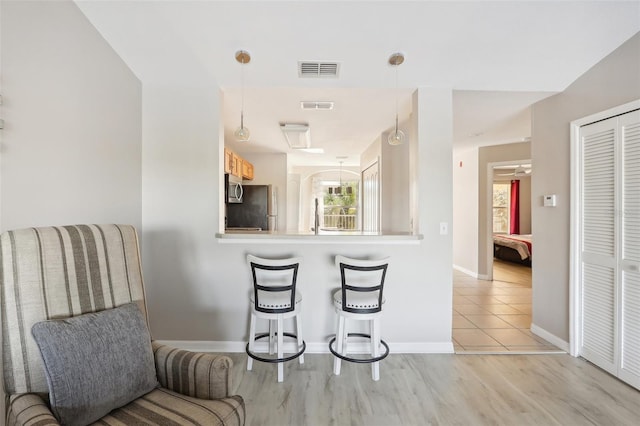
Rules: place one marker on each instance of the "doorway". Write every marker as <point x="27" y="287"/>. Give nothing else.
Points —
<point x="508" y="213"/>
<point x="492" y="314"/>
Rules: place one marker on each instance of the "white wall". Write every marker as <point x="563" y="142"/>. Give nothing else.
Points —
<point x="371" y="154"/>
<point x="465" y="210"/>
<point x="294" y="192"/>
<point x="429" y="269"/>
<point x="395" y="183"/>
<point x="613" y="81"/>
<point x="71" y="146"/>
<point x="182" y="211"/>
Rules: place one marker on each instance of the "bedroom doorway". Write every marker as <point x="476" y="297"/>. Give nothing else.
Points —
<point x="509" y="214"/>
<point x="493" y="313"/>
<point x="511" y="233"/>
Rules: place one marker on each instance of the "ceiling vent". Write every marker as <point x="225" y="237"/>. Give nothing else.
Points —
<point x="308" y="69"/>
<point x="320" y="105"/>
<point x="297" y="135"/>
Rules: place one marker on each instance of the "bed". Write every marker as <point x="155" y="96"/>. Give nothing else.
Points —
<point x="513" y="248"/>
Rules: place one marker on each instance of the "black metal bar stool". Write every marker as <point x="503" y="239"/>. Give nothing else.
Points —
<point x="360" y="298"/>
<point x="275" y="298"/>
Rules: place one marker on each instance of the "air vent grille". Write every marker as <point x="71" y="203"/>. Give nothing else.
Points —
<point x="316" y="105"/>
<point x="309" y="69"/>
<point x="297" y="135"/>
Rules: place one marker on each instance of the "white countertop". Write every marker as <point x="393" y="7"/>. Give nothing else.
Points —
<point x="323" y="237"/>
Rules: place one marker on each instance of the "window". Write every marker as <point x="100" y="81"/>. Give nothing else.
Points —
<point x="341" y="206"/>
<point x="501" y="193"/>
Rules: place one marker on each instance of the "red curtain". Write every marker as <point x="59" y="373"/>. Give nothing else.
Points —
<point x="514" y="208"/>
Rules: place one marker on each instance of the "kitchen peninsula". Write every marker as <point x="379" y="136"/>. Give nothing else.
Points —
<point x="323" y="237"/>
<point x="405" y="319"/>
<point x="418" y="287"/>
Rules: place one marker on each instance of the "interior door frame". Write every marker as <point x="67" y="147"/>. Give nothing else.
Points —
<point x="575" y="258"/>
<point x="364" y="200"/>
<point x="489" y="214"/>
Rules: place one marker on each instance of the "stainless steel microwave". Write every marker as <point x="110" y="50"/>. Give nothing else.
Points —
<point x="232" y="189"/>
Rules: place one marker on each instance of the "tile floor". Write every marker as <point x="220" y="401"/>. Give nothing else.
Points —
<point x="495" y="316"/>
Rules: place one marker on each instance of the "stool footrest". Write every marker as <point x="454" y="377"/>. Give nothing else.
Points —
<point x="360" y="360"/>
<point x="276" y="360"/>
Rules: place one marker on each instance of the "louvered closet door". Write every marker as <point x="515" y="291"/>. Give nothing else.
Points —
<point x="599" y="244"/>
<point x="629" y="129"/>
<point x="610" y="245"/>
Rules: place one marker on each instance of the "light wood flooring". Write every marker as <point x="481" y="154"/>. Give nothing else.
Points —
<point x="495" y="316"/>
<point x="448" y="389"/>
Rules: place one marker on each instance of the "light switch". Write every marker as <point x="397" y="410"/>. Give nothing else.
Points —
<point x="444" y="228"/>
<point x="549" y="200"/>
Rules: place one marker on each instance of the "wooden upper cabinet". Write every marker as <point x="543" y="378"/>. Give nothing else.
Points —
<point x="247" y="170"/>
<point x="228" y="161"/>
<point x="236" y="162"/>
<point x="237" y="166"/>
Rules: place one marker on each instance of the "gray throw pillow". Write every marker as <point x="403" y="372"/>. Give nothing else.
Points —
<point x="96" y="362"/>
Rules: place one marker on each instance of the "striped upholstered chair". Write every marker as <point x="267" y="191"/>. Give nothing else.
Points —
<point x="89" y="270"/>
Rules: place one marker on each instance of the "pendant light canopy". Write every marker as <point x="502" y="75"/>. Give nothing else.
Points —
<point x="242" y="133"/>
<point x="397" y="136"/>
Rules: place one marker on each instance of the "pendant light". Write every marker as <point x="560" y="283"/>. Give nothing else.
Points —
<point x="397" y="136"/>
<point x="340" y="190"/>
<point x="242" y="133"/>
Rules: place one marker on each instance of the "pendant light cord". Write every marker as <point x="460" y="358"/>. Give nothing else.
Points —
<point x="396" y="99"/>
<point x="242" y="95"/>
<point x="397" y="136"/>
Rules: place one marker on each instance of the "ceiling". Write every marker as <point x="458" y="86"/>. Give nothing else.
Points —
<point x="510" y="171"/>
<point x="498" y="57"/>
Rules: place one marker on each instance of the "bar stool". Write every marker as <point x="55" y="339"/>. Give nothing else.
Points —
<point x="360" y="298"/>
<point x="275" y="298"/>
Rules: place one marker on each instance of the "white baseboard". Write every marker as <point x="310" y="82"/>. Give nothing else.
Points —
<point x="312" y="347"/>
<point x="465" y="271"/>
<point x="551" y="338"/>
<point x="475" y="275"/>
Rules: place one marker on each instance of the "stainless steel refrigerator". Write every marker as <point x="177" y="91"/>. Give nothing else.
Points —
<point x="257" y="210"/>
